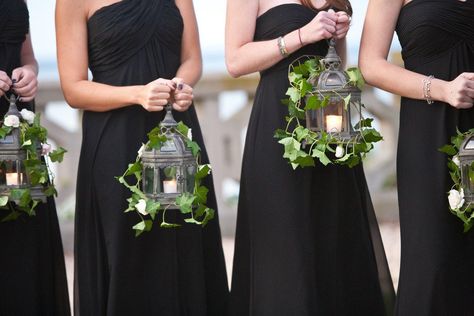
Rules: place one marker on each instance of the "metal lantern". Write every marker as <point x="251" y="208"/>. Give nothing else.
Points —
<point x="333" y="86"/>
<point x="466" y="158"/>
<point x="13" y="174"/>
<point x="170" y="170"/>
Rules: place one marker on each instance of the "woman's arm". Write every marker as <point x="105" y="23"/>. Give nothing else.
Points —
<point x="377" y="35"/>
<point x="71" y="38"/>
<point x="244" y="56"/>
<point x="191" y="61"/>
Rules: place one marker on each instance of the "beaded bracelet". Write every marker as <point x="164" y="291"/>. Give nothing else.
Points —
<point x="427" y="89"/>
<point x="282" y="46"/>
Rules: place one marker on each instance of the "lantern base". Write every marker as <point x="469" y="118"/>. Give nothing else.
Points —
<point x="167" y="200"/>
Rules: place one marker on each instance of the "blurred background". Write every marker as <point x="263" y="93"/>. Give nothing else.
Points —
<point x="223" y="106"/>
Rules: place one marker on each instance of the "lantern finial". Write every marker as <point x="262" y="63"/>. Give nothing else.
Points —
<point x="332" y="61"/>
<point x="169" y="120"/>
<point x="13" y="110"/>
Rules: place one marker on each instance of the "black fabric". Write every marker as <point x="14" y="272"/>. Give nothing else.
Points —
<point x="304" y="245"/>
<point x="437" y="258"/>
<point x="32" y="270"/>
<point x="166" y="272"/>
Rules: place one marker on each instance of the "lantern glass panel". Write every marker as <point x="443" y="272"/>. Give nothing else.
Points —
<point x="335" y="120"/>
<point x="467" y="176"/>
<point x="168" y="179"/>
<point x="12" y="173"/>
<point x="190" y="175"/>
<point x="149" y="186"/>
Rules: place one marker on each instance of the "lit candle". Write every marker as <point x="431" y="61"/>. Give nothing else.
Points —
<point x="14" y="178"/>
<point x="333" y="123"/>
<point x="170" y="186"/>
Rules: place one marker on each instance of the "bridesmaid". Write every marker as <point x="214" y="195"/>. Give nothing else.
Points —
<point x="304" y="242"/>
<point x="437" y="89"/>
<point x="32" y="271"/>
<point x="142" y="55"/>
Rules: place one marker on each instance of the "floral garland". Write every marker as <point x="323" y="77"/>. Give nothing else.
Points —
<point x="302" y="146"/>
<point x="457" y="204"/>
<point x="191" y="204"/>
<point x="33" y="138"/>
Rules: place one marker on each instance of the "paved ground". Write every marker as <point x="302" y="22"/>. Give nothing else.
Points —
<point x="390" y="235"/>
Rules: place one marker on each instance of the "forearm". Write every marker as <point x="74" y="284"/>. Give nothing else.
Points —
<point x="93" y="96"/>
<point x="399" y="81"/>
<point x="27" y="56"/>
<point x="258" y="56"/>
<point x="190" y="71"/>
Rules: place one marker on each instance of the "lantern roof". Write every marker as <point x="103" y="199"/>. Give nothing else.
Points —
<point x="467" y="147"/>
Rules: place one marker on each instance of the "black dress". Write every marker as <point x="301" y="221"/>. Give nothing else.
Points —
<point x="306" y="239"/>
<point x="32" y="271"/>
<point x="437" y="259"/>
<point x="166" y="272"/>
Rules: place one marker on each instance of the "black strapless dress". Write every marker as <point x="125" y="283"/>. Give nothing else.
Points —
<point x="166" y="272"/>
<point x="307" y="241"/>
<point x="437" y="259"/>
<point x="32" y="271"/>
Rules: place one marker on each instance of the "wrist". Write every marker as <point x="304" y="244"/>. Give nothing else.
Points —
<point x="439" y="91"/>
<point x="135" y="95"/>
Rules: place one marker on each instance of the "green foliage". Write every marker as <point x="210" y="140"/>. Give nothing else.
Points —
<point x="303" y="147"/>
<point x="192" y="204"/>
<point x="464" y="212"/>
<point x="33" y="137"/>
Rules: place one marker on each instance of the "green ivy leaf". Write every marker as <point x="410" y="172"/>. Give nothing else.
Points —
<point x="448" y="149"/>
<point x="4" y="131"/>
<point x="182" y="129"/>
<point x="193" y="146"/>
<point x="371" y="135"/>
<point x="209" y="215"/>
<point x="57" y="155"/>
<point x="355" y="77"/>
<point x="13" y="215"/>
<point x="321" y="155"/>
<point x="294" y="94"/>
<point x="3" y="200"/>
<point x="347" y="101"/>
<point x="152" y="207"/>
<point x="185" y="202"/>
<point x="143" y="226"/>
<point x="201" y="194"/>
<point x="192" y="221"/>
<point x="133" y="168"/>
<point x="313" y="103"/>
<point x="203" y="171"/>
<point x="169" y="225"/>
<point x="364" y="123"/>
<point x="280" y="134"/>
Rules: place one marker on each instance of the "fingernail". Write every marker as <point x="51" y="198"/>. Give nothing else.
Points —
<point x="14" y="81"/>
<point x="180" y="86"/>
<point x="20" y="99"/>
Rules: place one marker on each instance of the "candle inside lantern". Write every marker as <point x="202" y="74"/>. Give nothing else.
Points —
<point x="14" y="178"/>
<point x="333" y="123"/>
<point x="170" y="186"/>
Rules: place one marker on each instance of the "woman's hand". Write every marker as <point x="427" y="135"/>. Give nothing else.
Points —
<point x="5" y="83"/>
<point x="156" y="94"/>
<point x="25" y="83"/>
<point x="323" y="26"/>
<point x="460" y="91"/>
<point x="342" y="25"/>
<point x="182" y="95"/>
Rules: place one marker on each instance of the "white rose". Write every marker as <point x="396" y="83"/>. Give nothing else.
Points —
<point x="141" y="207"/>
<point x="12" y="121"/>
<point x="340" y="151"/>
<point x="456" y="199"/>
<point x="45" y="149"/>
<point x="190" y="134"/>
<point x="456" y="161"/>
<point x="28" y="116"/>
<point x="141" y="150"/>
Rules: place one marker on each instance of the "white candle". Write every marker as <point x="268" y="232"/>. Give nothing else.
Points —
<point x="14" y="178"/>
<point x="333" y="123"/>
<point x="170" y="186"/>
